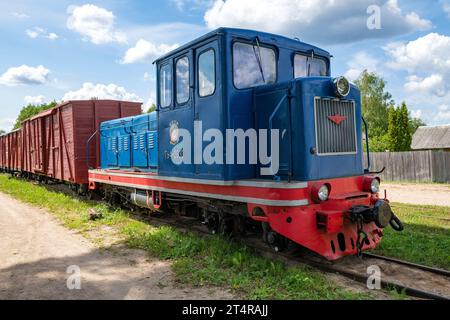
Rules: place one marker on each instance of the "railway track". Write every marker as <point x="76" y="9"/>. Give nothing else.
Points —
<point x="413" y="280"/>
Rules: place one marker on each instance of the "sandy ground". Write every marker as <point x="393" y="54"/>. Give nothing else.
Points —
<point x="428" y="194"/>
<point x="36" y="253"/>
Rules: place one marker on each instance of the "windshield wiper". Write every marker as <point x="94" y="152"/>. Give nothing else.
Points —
<point x="259" y="59"/>
<point x="308" y="61"/>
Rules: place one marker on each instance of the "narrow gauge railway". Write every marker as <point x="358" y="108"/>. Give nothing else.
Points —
<point x="411" y="279"/>
<point x="301" y="180"/>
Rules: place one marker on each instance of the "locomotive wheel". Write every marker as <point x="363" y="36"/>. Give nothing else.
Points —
<point x="226" y="226"/>
<point x="275" y="240"/>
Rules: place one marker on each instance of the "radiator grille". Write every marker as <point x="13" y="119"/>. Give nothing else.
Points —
<point x="335" y="126"/>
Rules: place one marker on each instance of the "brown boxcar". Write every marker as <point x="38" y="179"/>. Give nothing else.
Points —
<point x="55" y="141"/>
<point x="2" y="152"/>
<point x="13" y="150"/>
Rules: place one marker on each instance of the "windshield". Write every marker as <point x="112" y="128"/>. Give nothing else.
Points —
<point x="253" y="65"/>
<point x="307" y="66"/>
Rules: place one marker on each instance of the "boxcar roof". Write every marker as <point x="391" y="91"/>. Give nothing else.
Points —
<point x="65" y="103"/>
<point x="280" y="41"/>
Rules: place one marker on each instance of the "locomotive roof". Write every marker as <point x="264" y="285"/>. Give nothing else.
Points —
<point x="275" y="39"/>
<point x="121" y="121"/>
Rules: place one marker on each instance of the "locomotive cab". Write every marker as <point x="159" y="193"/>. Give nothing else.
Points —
<point x="235" y="80"/>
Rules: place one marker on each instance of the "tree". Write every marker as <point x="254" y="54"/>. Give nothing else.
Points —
<point x="392" y="135"/>
<point x="390" y="128"/>
<point x="152" y="108"/>
<point x="404" y="128"/>
<point x="375" y="103"/>
<point x="32" y="110"/>
<point x="399" y="129"/>
<point x="414" y="124"/>
<point x="2" y="132"/>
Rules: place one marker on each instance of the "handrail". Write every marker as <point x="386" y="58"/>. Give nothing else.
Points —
<point x="272" y="116"/>
<point x="367" y="145"/>
<point x="88" y="148"/>
<point x="276" y="110"/>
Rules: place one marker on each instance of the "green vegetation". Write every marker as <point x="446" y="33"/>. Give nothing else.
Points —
<point x="399" y="135"/>
<point x="390" y="127"/>
<point x="152" y="108"/>
<point x="426" y="238"/>
<point x="2" y="132"/>
<point x="196" y="260"/>
<point x="32" y="110"/>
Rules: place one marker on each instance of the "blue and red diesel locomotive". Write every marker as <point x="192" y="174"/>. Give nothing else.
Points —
<point x="222" y="94"/>
<point x="320" y="197"/>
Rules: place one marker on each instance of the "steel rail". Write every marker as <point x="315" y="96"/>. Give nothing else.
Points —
<point x="190" y="224"/>
<point x="321" y="265"/>
<point x="438" y="271"/>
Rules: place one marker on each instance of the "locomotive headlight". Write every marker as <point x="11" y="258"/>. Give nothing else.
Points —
<point x="371" y="184"/>
<point x="375" y="186"/>
<point x="323" y="193"/>
<point x="342" y="86"/>
<point x="320" y="192"/>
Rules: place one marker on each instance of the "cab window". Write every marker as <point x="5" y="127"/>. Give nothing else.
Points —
<point x="182" y="80"/>
<point x="306" y="66"/>
<point x="253" y="65"/>
<point x="207" y="73"/>
<point x="165" y="86"/>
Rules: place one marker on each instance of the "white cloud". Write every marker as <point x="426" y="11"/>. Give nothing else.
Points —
<point x="35" y="100"/>
<point x="323" y="21"/>
<point x="20" y="16"/>
<point x="101" y="91"/>
<point x="34" y="33"/>
<point x="7" y="123"/>
<point x="38" y="31"/>
<point x="443" y="114"/>
<point x="191" y="4"/>
<point x="446" y="6"/>
<point x="148" y="76"/>
<point x="426" y="61"/>
<point x="52" y="36"/>
<point x="151" y="101"/>
<point x="359" y="62"/>
<point x="95" y="24"/>
<point x="179" y="4"/>
<point x="145" y="51"/>
<point x="416" y="114"/>
<point x="430" y="52"/>
<point x="25" y="75"/>
<point x="432" y="83"/>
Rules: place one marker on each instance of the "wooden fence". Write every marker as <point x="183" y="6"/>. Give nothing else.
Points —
<point x="414" y="166"/>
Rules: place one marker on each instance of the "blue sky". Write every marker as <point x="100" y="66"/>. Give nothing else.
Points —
<point x="80" y="49"/>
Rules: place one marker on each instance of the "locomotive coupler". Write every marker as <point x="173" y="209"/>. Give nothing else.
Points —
<point x="381" y="213"/>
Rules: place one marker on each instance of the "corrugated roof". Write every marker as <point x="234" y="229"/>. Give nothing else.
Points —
<point x="437" y="137"/>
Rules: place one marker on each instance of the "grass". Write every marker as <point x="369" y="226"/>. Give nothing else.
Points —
<point x="196" y="261"/>
<point x="426" y="238"/>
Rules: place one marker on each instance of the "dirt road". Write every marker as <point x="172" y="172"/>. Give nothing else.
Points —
<point x="428" y="194"/>
<point x="36" y="254"/>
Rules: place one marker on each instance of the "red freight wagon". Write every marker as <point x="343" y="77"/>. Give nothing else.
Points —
<point x="14" y="150"/>
<point x="55" y="141"/>
<point x="2" y="152"/>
